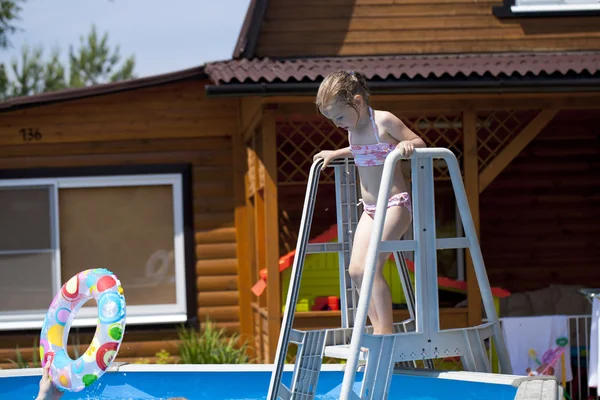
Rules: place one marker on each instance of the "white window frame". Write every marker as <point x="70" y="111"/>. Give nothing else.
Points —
<point x="136" y="314"/>
<point x="540" y="6"/>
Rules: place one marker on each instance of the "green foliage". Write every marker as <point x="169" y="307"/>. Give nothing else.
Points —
<point x="93" y="62"/>
<point x="211" y="346"/>
<point x="9" y="13"/>
<point x="75" y="345"/>
<point x="164" y="357"/>
<point x="34" y="75"/>
<point x="20" y="362"/>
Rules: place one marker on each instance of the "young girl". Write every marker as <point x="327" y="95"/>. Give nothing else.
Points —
<point x="343" y="97"/>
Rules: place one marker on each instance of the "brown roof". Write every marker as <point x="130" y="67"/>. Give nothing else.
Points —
<point x="96" y="90"/>
<point x="392" y="71"/>
<point x="403" y="67"/>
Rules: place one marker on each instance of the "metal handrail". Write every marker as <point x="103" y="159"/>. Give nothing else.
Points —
<point x="373" y="250"/>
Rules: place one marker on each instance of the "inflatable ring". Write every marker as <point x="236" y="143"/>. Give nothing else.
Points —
<point x="105" y="288"/>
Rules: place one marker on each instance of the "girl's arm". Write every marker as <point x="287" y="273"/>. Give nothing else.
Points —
<point x="344" y="153"/>
<point x="399" y="131"/>
<point x="329" y="155"/>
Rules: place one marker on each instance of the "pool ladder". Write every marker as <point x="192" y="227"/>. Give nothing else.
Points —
<point x="417" y="338"/>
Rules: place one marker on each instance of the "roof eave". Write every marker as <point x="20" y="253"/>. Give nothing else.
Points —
<point x="17" y="103"/>
<point x="538" y="85"/>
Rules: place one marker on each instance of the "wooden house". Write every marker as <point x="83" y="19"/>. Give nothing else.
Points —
<point x="512" y="88"/>
<point x="135" y="177"/>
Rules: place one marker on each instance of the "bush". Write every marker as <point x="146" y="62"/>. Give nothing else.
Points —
<point x="20" y="362"/>
<point x="164" y="357"/>
<point x="211" y="346"/>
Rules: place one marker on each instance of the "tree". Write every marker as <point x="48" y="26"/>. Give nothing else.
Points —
<point x="32" y="74"/>
<point x="94" y="62"/>
<point x="9" y="12"/>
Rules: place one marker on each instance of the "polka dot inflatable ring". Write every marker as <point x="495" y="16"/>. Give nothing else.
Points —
<point x="103" y="286"/>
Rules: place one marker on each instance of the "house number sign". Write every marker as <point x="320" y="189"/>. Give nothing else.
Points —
<point x="30" y="134"/>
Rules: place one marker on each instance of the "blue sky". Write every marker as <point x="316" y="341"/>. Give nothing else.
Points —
<point x="163" y="35"/>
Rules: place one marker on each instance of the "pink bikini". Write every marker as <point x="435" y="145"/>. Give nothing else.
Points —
<point x="369" y="155"/>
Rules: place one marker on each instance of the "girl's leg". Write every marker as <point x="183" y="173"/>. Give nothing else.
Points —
<point x="396" y="223"/>
<point x="380" y="306"/>
<point x="357" y="259"/>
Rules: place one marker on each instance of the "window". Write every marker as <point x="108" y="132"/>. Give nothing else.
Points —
<point x="538" y="8"/>
<point x="555" y="5"/>
<point x="54" y="228"/>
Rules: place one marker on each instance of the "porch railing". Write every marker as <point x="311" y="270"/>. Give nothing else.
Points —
<point x="579" y="336"/>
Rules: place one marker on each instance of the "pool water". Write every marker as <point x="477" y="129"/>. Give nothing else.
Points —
<point x="248" y="385"/>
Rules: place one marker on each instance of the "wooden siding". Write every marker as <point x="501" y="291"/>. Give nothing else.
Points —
<point x="137" y="345"/>
<point x="373" y="27"/>
<point x="539" y="216"/>
<point x="172" y="123"/>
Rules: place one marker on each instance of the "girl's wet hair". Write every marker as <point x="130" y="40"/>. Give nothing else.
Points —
<point x="342" y="86"/>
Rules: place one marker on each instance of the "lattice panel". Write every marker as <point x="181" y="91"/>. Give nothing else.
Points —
<point x="298" y="140"/>
<point x="439" y="130"/>
<point x="496" y="129"/>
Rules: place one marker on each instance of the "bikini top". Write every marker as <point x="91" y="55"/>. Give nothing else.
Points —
<point x="369" y="155"/>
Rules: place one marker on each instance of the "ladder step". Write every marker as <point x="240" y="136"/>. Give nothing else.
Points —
<point x="342" y="351"/>
<point x="334" y="247"/>
<point x="308" y="364"/>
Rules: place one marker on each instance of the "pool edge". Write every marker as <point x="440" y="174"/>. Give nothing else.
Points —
<point x="528" y="387"/>
<point x="127" y="367"/>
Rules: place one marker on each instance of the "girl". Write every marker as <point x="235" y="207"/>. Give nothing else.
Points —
<point x="343" y="97"/>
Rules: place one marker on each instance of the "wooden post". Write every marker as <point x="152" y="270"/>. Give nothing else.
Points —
<point x="259" y="211"/>
<point x="250" y="116"/>
<point x="244" y="271"/>
<point x="251" y="182"/>
<point x="471" y="178"/>
<point x="271" y="224"/>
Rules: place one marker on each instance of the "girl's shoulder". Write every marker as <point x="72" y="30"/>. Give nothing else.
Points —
<point x="387" y="122"/>
<point x="385" y="117"/>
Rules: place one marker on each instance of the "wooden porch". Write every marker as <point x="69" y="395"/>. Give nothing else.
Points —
<point x="486" y="132"/>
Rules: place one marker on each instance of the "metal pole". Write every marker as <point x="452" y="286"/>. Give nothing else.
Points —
<point x="477" y="257"/>
<point x="369" y="274"/>
<point x="296" y="277"/>
<point x="460" y="253"/>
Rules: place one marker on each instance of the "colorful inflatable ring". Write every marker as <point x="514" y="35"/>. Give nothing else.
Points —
<point x="105" y="288"/>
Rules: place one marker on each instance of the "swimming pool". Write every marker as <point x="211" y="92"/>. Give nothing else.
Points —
<point x="250" y="382"/>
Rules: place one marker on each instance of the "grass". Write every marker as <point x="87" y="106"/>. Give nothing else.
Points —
<point x="211" y="346"/>
<point x="207" y="346"/>
<point x="20" y="362"/>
